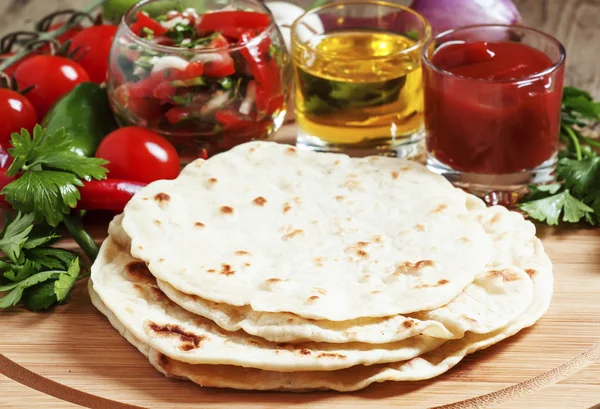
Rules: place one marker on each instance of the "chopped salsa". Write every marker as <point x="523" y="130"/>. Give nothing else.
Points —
<point x="222" y="79"/>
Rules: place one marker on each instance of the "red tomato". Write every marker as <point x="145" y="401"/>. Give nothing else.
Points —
<point x="52" y="77"/>
<point x="16" y="112"/>
<point x="12" y="68"/>
<point x="94" y="48"/>
<point x="139" y="154"/>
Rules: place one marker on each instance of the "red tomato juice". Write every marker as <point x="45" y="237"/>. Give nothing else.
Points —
<point x="492" y="109"/>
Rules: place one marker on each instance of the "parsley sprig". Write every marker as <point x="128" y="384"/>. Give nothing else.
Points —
<point x="576" y="195"/>
<point x="50" y="174"/>
<point x="32" y="270"/>
<point x="44" y="194"/>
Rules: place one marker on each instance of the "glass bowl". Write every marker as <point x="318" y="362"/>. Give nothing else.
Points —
<point x="206" y="74"/>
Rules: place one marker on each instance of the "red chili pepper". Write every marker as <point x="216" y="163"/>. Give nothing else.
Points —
<point x="229" y="20"/>
<point x="109" y="194"/>
<point x="145" y="21"/>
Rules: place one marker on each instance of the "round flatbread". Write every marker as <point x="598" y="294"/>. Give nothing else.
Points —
<point x="322" y="236"/>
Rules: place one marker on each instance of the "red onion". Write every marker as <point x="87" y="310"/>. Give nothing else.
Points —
<point x="448" y="14"/>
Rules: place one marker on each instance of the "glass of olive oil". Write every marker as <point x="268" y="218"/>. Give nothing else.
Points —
<point x="358" y="86"/>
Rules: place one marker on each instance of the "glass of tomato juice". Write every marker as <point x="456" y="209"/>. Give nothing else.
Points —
<point x="492" y="108"/>
<point x="206" y="74"/>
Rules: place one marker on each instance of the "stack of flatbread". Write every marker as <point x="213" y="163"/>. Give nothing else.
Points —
<point x="270" y="268"/>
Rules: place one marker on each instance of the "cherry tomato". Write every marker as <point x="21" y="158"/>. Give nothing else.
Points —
<point x="13" y="67"/>
<point x="52" y="77"/>
<point x="139" y="154"/>
<point x="94" y="48"/>
<point x="16" y="112"/>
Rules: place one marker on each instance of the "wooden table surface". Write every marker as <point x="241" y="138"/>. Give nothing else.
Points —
<point x="556" y="364"/>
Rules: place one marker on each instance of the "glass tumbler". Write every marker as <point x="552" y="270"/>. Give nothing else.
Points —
<point x="358" y="83"/>
<point x="217" y="88"/>
<point x="492" y="108"/>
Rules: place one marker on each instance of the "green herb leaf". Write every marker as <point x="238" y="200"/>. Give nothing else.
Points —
<point x="226" y="82"/>
<point x="33" y="280"/>
<point x="184" y="100"/>
<point x="15" y="235"/>
<point x="47" y="194"/>
<point x="40" y="296"/>
<point x="52" y="258"/>
<point x="191" y="82"/>
<point x="65" y="282"/>
<point x="12" y="298"/>
<point x="550" y="208"/>
<point x="21" y="272"/>
<point x="580" y="176"/>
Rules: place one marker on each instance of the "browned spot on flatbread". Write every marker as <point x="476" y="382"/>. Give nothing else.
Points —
<point x="362" y="254"/>
<point x="253" y="342"/>
<point x="162" y="199"/>
<point x="440" y="208"/>
<point x="464" y="240"/>
<point x="312" y="298"/>
<point x="226" y="210"/>
<point x="189" y="340"/>
<point x="419" y="227"/>
<point x="157" y="222"/>
<point x="305" y="351"/>
<point x="212" y="180"/>
<point x="352" y="184"/>
<point x="331" y="355"/>
<point x="241" y="253"/>
<point x="395" y="175"/>
<point x="292" y="234"/>
<point x="319" y="261"/>
<point x="530" y="272"/>
<point x="270" y="281"/>
<point x="290" y="151"/>
<point x="339" y="198"/>
<point x="259" y="201"/>
<point x="320" y="290"/>
<point x="336" y="163"/>
<point x="378" y="239"/>
<point x="211" y="270"/>
<point x="375" y="292"/>
<point x="164" y="362"/>
<point x="226" y="269"/>
<point x="161" y="260"/>
<point x="362" y="244"/>
<point x="412" y="268"/>
<point x="505" y="274"/>
<point x="251" y="149"/>
<point x="138" y="271"/>
<point x="199" y="225"/>
<point x="297" y="200"/>
<point x="408" y="324"/>
<point x="438" y="284"/>
<point x="247" y="264"/>
<point x="286" y="208"/>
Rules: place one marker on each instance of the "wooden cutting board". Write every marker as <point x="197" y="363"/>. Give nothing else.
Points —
<point x="73" y="355"/>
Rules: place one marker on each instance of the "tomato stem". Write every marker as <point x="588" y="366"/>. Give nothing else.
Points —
<point x="51" y="35"/>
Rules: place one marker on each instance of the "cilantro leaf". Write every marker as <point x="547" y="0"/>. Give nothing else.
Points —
<point x="572" y="92"/>
<point x="40" y="296"/>
<point x="580" y="176"/>
<point x="14" y="236"/>
<point x="65" y="282"/>
<point x="47" y="194"/>
<point x="550" y="208"/>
